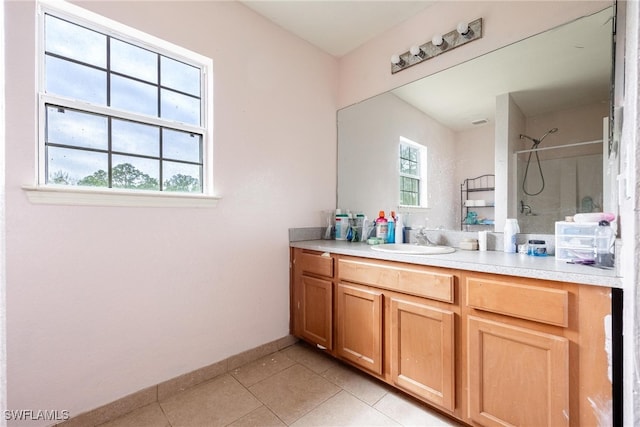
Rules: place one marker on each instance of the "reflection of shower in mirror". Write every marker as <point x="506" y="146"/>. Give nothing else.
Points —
<point x="536" y="142"/>
<point x="526" y="209"/>
<point x="573" y="177"/>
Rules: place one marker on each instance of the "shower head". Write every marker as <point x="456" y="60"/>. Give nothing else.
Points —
<point x="554" y="130"/>
<point x="538" y="141"/>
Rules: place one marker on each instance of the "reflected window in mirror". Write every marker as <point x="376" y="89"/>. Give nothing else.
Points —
<point x="413" y="173"/>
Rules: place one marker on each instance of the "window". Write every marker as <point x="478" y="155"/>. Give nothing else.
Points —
<point x="413" y="173"/>
<point x="119" y="109"/>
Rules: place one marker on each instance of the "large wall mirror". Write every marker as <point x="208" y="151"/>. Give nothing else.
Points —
<point x="533" y="114"/>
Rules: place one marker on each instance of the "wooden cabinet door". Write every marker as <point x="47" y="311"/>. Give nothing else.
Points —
<point x="422" y="351"/>
<point x="359" y="321"/>
<point x="316" y="311"/>
<point x="517" y="376"/>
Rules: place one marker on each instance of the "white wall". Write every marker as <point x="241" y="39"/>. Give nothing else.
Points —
<point x="375" y="128"/>
<point x="104" y="301"/>
<point x="475" y="151"/>
<point x="510" y="122"/>
<point x="574" y="125"/>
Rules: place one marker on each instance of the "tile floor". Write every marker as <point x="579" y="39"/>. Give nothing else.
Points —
<point x="297" y="386"/>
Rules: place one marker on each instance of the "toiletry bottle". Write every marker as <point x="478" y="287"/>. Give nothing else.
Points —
<point x="359" y="227"/>
<point x="350" y="228"/>
<point x="482" y="240"/>
<point x="509" y="237"/>
<point x="604" y="241"/>
<point x="367" y="229"/>
<point x="382" y="226"/>
<point x="399" y="229"/>
<point x="391" y="228"/>
<point x="342" y="225"/>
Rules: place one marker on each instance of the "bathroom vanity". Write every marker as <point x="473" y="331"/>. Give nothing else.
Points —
<point x="488" y="338"/>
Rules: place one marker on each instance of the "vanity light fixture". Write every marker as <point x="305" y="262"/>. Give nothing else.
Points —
<point x="440" y="43"/>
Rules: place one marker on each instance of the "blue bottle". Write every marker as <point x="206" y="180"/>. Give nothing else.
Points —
<point x="391" y="230"/>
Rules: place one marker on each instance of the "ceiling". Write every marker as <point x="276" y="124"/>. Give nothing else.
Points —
<point x="337" y="26"/>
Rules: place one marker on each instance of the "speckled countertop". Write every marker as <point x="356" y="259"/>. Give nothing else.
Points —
<point x="496" y="262"/>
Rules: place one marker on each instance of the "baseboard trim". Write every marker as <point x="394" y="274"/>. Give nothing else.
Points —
<point x="175" y="385"/>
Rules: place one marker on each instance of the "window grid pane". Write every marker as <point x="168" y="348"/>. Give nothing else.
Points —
<point x="135" y="96"/>
<point x="75" y="42"/>
<point x="179" y="76"/>
<point x="133" y="61"/>
<point x="409" y="191"/>
<point x="181" y="177"/>
<point x="409" y="160"/>
<point x="73" y="80"/>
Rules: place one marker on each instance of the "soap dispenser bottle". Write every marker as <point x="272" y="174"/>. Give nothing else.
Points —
<point x="382" y="227"/>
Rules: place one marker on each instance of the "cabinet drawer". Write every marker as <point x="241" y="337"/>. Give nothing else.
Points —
<point x="415" y="281"/>
<point x="535" y="303"/>
<point x="316" y="263"/>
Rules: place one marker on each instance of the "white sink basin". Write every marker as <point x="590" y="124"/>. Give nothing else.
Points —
<point x="412" y="249"/>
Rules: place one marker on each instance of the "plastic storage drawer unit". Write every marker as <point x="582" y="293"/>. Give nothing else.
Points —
<point x="575" y="240"/>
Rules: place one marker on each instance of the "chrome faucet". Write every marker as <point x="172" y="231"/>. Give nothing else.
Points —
<point x="524" y="207"/>
<point x="423" y="239"/>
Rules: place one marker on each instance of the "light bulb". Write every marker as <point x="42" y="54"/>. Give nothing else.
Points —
<point x="396" y="60"/>
<point x="415" y="50"/>
<point x="437" y="40"/>
<point x="463" y="28"/>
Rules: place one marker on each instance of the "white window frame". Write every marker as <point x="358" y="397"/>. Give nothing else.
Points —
<point x="72" y="195"/>
<point x="421" y="177"/>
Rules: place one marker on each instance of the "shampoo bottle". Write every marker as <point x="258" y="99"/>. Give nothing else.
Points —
<point x="342" y="225"/>
<point x="391" y="228"/>
<point x="382" y="226"/>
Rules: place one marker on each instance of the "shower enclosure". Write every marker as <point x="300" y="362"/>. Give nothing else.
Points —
<point x="560" y="181"/>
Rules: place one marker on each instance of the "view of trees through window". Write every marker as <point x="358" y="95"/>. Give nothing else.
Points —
<point x="127" y="176"/>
